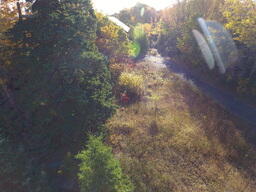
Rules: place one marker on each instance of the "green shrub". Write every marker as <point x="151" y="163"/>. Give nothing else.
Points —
<point x="100" y="171"/>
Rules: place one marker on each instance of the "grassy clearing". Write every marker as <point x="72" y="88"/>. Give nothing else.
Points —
<point x="176" y="139"/>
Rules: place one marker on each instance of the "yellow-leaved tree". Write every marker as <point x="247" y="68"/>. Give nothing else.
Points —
<point x="8" y="17"/>
<point x="241" y="20"/>
<point x="112" y="40"/>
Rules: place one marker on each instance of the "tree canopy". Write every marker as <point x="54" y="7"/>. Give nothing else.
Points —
<point x="57" y="89"/>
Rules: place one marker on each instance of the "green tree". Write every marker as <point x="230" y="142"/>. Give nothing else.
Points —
<point x="100" y="171"/>
<point x="57" y="88"/>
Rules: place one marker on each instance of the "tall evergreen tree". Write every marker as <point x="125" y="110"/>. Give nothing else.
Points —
<point x="58" y="88"/>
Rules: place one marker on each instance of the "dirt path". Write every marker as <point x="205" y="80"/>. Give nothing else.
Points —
<point x="227" y="100"/>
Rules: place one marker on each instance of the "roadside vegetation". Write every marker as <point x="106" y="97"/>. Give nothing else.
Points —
<point x="176" y="139"/>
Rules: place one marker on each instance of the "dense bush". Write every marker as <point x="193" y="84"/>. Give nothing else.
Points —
<point x="100" y="171"/>
<point x="164" y="40"/>
<point x="240" y="19"/>
<point x="131" y="83"/>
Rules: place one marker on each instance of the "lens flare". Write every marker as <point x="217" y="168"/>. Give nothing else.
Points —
<point x="220" y="43"/>
<point x="205" y="49"/>
<point x="142" y="11"/>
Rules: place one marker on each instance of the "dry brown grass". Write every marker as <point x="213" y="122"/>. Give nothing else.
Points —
<point x="176" y="139"/>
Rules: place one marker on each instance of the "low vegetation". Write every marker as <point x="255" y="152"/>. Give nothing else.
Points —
<point x="176" y="139"/>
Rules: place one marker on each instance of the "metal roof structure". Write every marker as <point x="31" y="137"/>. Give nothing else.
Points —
<point x="119" y="23"/>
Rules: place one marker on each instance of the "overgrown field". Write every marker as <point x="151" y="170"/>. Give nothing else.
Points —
<point x="176" y="139"/>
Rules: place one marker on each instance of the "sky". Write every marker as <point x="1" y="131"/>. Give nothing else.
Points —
<point x="113" y="6"/>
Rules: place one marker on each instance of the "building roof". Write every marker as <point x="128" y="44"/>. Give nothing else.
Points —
<point x="119" y="23"/>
